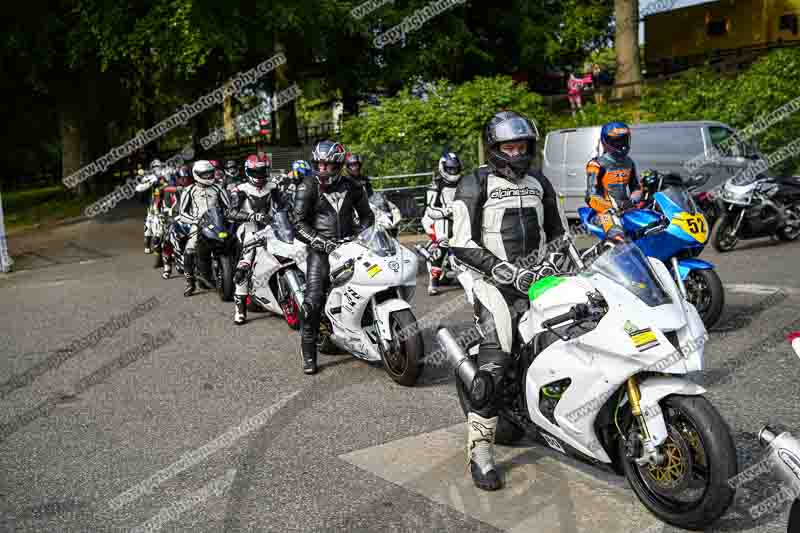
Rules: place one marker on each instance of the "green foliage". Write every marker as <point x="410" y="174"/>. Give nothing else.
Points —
<point x="755" y="93"/>
<point x="406" y="134"/>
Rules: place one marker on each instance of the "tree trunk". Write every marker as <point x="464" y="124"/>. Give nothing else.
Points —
<point x="287" y="115"/>
<point x="72" y="144"/>
<point x="627" y="47"/>
<point x="227" y="118"/>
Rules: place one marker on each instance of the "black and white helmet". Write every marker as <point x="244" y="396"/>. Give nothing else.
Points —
<point x="328" y="152"/>
<point x="450" y="168"/>
<point x="509" y="127"/>
<point x="203" y="172"/>
<point x="156" y="166"/>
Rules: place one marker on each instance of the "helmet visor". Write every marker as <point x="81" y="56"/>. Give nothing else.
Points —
<point x="205" y="174"/>
<point x="515" y="129"/>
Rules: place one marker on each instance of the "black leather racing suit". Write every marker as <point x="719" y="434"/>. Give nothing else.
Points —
<point x="325" y="215"/>
<point x="496" y="219"/>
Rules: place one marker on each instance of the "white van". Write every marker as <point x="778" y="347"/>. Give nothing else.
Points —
<point x="662" y="146"/>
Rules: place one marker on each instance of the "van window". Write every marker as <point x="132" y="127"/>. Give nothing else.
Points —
<point x="581" y="146"/>
<point x="554" y="151"/>
<point x="724" y="140"/>
<point x="686" y="141"/>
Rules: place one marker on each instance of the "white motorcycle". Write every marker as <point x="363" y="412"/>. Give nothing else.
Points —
<point x="368" y="309"/>
<point x="278" y="279"/>
<point x="596" y="374"/>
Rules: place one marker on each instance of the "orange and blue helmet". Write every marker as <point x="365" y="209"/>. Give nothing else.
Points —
<point x="616" y="138"/>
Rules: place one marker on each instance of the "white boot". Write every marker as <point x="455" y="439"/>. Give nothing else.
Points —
<point x="480" y="451"/>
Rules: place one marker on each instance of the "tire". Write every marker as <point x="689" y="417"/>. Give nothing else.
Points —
<point x="719" y="454"/>
<point x="722" y="245"/>
<point x="507" y="432"/>
<point x="410" y="351"/>
<point x="709" y="279"/>
<point x="225" y="286"/>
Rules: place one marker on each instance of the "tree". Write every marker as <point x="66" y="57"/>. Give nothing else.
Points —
<point x="627" y="47"/>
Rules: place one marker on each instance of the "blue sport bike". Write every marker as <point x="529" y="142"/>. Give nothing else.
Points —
<point x="674" y="231"/>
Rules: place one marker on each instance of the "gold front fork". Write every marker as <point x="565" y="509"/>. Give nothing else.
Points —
<point x="634" y="395"/>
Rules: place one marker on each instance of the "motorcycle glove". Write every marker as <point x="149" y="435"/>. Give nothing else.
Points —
<point x="322" y="245"/>
<point x="507" y="274"/>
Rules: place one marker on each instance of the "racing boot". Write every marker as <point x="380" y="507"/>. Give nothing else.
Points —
<point x="240" y="314"/>
<point x="433" y="282"/>
<point x="188" y="271"/>
<point x="309" y="329"/>
<point x="480" y="450"/>
<point x="147" y="242"/>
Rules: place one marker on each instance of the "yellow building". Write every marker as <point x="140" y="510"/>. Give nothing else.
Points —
<point x="692" y="35"/>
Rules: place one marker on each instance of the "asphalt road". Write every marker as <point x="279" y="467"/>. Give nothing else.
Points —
<point x="170" y="417"/>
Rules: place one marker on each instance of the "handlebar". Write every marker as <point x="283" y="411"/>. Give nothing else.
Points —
<point x="573" y="314"/>
<point x="346" y="266"/>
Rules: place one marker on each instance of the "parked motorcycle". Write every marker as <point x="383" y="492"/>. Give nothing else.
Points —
<point x="216" y="252"/>
<point x="278" y="281"/>
<point x="368" y="309"/>
<point x="757" y="206"/>
<point x="387" y="214"/>
<point x="596" y="374"/>
<point x="675" y="232"/>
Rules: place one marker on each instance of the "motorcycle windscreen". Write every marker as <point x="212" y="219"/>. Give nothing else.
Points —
<point x="377" y="241"/>
<point x="626" y="265"/>
<point x="676" y="200"/>
<point x="282" y="228"/>
<point x="212" y="224"/>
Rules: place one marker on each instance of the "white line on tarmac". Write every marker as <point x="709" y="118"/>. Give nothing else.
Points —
<point x="751" y="288"/>
<point x="216" y="487"/>
<point x="190" y="459"/>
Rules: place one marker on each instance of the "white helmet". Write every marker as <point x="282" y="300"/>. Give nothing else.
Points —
<point x="203" y="172"/>
<point x="450" y="168"/>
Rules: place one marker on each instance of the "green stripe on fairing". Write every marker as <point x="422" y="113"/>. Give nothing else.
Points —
<point x="544" y="285"/>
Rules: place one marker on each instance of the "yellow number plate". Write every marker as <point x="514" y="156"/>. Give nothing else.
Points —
<point x="694" y="225"/>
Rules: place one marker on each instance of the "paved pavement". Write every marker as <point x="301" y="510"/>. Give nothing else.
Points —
<point x="126" y="405"/>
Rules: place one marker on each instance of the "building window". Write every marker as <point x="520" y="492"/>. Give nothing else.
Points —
<point x="717" y="28"/>
<point x="788" y="23"/>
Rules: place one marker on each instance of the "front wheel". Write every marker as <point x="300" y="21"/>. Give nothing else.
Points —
<point x="722" y="237"/>
<point x="791" y="233"/>
<point x="704" y="290"/>
<point x="403" y="360"/>
<point x="689" y="489"/>
<point x="225" y="285"/>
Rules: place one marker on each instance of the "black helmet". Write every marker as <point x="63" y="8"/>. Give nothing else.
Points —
<point x="506" y="127"/>
<point x="328" y="152"/>
<point x="353" y="159"/>
<point x="651" y="181"/>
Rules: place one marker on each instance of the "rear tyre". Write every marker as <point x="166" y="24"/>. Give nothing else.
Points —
<point x="706" y="293"/>
<point x="722" y="238"/>
<point x="403" y="361"/>
<point x="507" y="432"/>
<point x="701" y="455"/>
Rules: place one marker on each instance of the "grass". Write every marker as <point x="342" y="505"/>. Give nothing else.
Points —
<point x="23" y="209"/>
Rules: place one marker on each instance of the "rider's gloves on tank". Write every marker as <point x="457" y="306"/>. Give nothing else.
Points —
<point x="329" y="247"/>
<point x="507" y="274"/>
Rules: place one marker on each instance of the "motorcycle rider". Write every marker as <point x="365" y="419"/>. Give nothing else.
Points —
<point x="202" y="195"/>
<point x="154" y="181"/>
<point x="232" y="177"/>
<point x="612" y="175"/>
<point x="250" y="206"/>
<point x="354" y="164"/>
<point x="504" y="213"/>
<point x="439" y="205"/>
<point x="172" y="199"/>
<point x="324" y="207"/>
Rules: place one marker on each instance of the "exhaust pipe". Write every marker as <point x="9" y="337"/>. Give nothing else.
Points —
<point x="479" y="383"/>
<point x="294" y="286"/>
<point x="785" y="455"/>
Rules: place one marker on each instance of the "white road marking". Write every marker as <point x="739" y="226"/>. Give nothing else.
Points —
<point x="542" y="493"/>
<point x="752" y="288"/>
<point x="190" y="459"/>
<point x="216" y="487"/>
